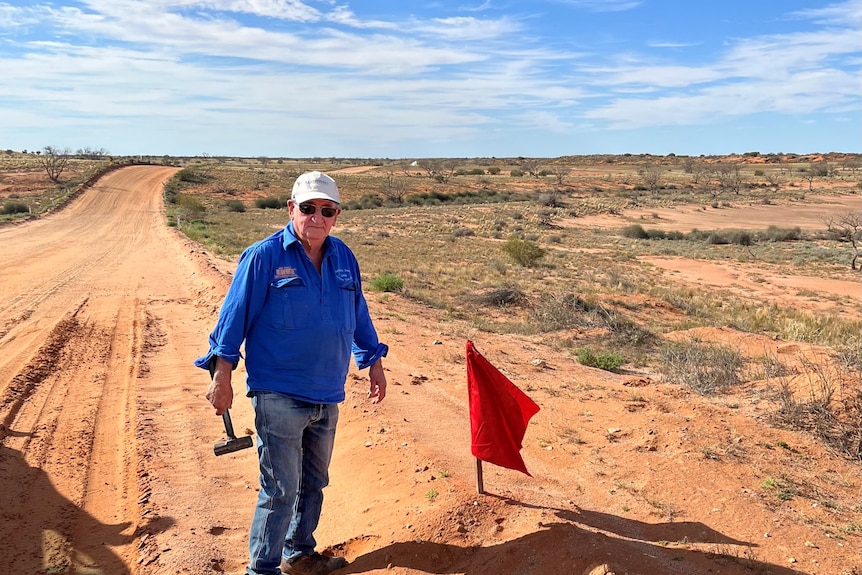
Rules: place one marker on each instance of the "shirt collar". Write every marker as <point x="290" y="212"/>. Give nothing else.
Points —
<point x="290" y="237"/>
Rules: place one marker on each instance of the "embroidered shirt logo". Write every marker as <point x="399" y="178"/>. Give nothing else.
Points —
<point x="284" y="273"/>
<point x="343" y="275"/>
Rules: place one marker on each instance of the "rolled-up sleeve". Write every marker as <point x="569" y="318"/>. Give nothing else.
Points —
<point x="367" y="349"/>
<point x="243" y="302"/>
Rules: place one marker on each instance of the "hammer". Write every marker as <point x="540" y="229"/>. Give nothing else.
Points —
<point x="232" y="443"/>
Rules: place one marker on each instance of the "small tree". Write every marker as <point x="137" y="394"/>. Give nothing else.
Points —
<point x="91" y="153"/>
<point x="560" y="174"/>
<point x="651" y="175"/>
<point x="729" y="177"/>
<point x="850" y="229"/>
<point x="394" y="189"/>
<point x="54" y="161"/>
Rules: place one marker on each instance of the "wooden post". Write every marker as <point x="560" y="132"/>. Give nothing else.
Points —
<point x="480" y="484"/>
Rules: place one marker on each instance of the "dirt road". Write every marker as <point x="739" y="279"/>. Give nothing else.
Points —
<point x="106" y="463"/>
<point x="90" y="296"/>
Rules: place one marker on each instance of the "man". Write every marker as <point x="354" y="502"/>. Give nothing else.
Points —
<point x="297" y="303"/>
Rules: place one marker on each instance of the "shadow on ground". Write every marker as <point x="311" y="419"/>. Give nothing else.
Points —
<point x="41" y="530"/>
<point x="573" y="546"/>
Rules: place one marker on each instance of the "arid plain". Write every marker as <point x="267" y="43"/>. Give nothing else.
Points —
<point x="106" y="462"/>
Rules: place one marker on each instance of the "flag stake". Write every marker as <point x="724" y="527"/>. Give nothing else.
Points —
<point x="480" y="484"/>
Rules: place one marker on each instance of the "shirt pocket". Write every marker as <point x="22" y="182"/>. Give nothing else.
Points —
<point x="347" y="291"/>
<point x="291" y="303"/>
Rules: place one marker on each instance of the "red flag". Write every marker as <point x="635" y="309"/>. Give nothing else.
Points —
<point x="499" y="413"/>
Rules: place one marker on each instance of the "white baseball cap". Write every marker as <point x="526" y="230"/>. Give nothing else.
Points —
<point x="315" y="186"/>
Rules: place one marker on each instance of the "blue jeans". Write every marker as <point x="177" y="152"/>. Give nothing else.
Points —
<point x="294" y="444"/>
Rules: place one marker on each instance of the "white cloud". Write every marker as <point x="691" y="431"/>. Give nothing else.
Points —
<point x="839" y="14"/>
<point x="321" y="68"/>
<point x="467" y="28"/>
<point x="672" y="44"/>
<point x="603" y="5"/>
<point x="790" y="74"/>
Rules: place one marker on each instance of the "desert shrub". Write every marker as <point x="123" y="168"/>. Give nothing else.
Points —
<point x="830" y="411"/>
<point x="623" y="331"/>
<point x="15" y="208"/>
<point x="504" y="295"/>
<point x="462" y="232"/>
<point x="190" y="206"/>
<point x="776" y="234"/>
<point x="656" y="234"/>
<point x="740" y="238"/>
<point x="387" y="282"/>
<point x="704" y="368"/>
<point x="268" y="203"/>
<point x="235" y="206"/>
<point x="171" y="189"/>
<point x="193" y="175"/>
<point x="366" y="202"/>
<point x="494" y="170"/>
<point x="476" y="172"/>
<point x="717" y="238"/>
<point x="674" y="235"/>
<point x="516" y="173"/>
<point x="524" y="252"/>
<point x="849" y="355"/>
<point x="696" y="235"/>
<point x="435" y="198"/>
<point x="552" y="312"/>
<point x="635" y="231"/>
<point x="608" y="361"/>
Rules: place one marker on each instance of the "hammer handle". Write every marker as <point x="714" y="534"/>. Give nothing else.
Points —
<point x="228" y="424"/>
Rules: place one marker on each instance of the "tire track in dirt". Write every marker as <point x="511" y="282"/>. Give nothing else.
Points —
<point x="60" y="407"/>
<point x="25" y="383"/>
<point x="73" y="335"/>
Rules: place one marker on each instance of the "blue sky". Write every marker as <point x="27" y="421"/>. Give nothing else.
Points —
<point x="463" y="78"/>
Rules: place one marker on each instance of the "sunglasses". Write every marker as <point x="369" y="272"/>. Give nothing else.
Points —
<point x="311" y="209"/>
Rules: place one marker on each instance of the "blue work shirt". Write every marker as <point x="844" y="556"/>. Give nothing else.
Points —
<point x="299" y="326"/>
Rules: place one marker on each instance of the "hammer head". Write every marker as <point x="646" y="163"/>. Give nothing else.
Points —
<point x="232" y="444"/>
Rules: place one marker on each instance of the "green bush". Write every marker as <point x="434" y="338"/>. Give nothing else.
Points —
<point x="235" y="206"/>
<point x="387" y="282"/>
<point x="190" y="206"/>
<point x="608" y="361"/>
<point x="193" y="175"/>
<point x="525" y="253"/>
<point x="741" y="238"/>
<point x="269" y="202"/>
<point x="15" y="208"/>
<point x="516" y="173"/>
<point x="635" y="231"/>
<point x="717" y="238"/>
<point x="776" y="234"/>
<point x="494" y="170"/>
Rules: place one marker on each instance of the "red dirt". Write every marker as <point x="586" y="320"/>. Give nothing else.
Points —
<point x="106" y="461"/>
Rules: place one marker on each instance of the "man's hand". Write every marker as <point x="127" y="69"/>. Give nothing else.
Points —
<point x="377" y="389"/>
<point x="220" y="391"/>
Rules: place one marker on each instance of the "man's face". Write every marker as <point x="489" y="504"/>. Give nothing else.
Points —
<point x="313" y="227"/>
